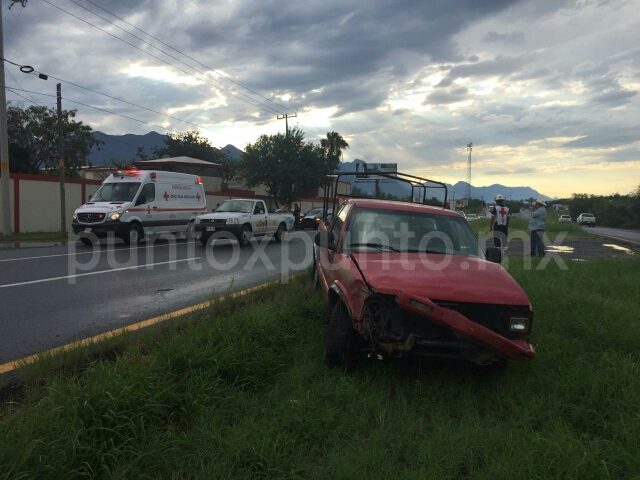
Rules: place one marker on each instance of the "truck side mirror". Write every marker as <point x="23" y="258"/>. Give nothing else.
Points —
<point x="325" y="239"/>
<point x="494" y="254"/>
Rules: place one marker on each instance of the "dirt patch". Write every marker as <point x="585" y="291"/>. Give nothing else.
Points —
<point x="579" y="249"/>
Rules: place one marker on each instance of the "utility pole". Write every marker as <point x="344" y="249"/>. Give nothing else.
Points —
<point x="467" y="192"/>
<point x="5" y="182"/>
<point x="63" y="211"/>
<point x="286" y="117"/>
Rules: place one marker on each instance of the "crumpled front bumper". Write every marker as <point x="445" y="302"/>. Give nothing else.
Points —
<point x="465" y="329"/>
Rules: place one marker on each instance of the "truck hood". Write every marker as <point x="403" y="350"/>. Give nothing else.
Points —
<point x="103" y="207"/>
<point x="224" y="215"/>
<point x="465" y="279"/>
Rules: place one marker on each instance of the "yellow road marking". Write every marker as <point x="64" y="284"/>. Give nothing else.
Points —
<point x="9" y="367"/>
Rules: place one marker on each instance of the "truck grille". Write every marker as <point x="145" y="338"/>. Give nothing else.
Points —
<point x="493" y="317"/>
<point x="214" y="221"/>
<point x="91" y="217"/>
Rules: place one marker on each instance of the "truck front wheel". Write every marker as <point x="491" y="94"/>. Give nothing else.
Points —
<point x="204" y="239"/>
<point x="245" y="236"/>
<point x="279" y="236"/>
<point x="340" y="338"/>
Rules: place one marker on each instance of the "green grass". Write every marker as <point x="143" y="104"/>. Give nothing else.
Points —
<point x="553" y="226"/>
<point x="241" y="391"/>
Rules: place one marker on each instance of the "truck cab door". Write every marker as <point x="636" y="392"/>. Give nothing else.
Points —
<point x="260" y="218"/>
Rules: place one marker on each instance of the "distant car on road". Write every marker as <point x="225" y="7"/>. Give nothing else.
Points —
<point x="586" y="219"/>
<point x="311" y="219"/>
<point x="565" y="218"/>
<point x="471" y="216"/>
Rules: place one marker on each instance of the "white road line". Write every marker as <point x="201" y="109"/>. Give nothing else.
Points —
<point x="79" y="253"/>
<point x="52" y="279"/>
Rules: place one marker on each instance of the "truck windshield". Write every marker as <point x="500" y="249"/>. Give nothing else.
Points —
<point x="235" y="206"/>
<point x="116" y="192"/>
<point x="401" y="231"/>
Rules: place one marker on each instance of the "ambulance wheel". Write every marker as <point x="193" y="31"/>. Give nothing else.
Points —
<point x="204" y="239"/>
<point x="134" y="235"/>
<point x="245" y="236"/>
<point x="280" y="233"/>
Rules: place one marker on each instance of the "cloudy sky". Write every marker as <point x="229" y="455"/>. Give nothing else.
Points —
<point x="547" y="90"/>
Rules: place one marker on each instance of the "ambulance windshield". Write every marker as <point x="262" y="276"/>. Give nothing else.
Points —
<point x="116" y="192"/>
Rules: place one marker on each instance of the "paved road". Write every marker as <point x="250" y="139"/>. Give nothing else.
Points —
<point x="632" y="236"/>
<point x="55" y="295"/>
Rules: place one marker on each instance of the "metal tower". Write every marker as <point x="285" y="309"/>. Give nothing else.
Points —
<point x="467" y="192"/>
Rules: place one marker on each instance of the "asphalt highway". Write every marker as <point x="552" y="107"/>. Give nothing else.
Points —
<point x="52" y="296"/>
<point x="632" y="236"/>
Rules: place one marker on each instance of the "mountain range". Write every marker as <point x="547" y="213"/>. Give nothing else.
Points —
<point x="488" y="193"/>
<point x="125" y="147"/>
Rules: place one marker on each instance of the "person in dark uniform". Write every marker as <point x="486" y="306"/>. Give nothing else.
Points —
<point x="499" y="222"/>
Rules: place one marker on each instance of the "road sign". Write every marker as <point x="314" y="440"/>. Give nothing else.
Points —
<point x="373" y="168"/>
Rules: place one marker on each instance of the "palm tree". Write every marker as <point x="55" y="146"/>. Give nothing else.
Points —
<point x="333" y="145"/>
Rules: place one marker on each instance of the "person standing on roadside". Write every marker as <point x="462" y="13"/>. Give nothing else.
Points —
<point x="499" y="222"/>
<point x="538" y="227"/>
<point x="296" y="212"/>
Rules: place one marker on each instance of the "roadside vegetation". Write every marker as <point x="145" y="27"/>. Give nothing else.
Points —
<point x="241" y="391"/>
<point x="553" y="225"/>
<point x="617" y="211"/>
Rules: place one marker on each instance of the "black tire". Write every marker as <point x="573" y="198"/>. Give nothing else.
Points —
<point x="134" y="235"/>
<point x="86" y="241"/>
<point x="279" y="236"/>
<point x="245" y="236"/>
<point x="340" y="338"/>
<point x="204" y="239"/>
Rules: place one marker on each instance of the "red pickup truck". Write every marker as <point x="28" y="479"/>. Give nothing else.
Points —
<point x="407" y="278"/>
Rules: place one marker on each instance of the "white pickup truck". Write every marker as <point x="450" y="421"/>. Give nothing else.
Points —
<point x="244" y="219"/>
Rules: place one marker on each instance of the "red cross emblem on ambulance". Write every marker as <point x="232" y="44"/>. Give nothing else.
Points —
<point x="198" y="196"/>
<point x="148" y="209"/>
<point x="166" y="196"/>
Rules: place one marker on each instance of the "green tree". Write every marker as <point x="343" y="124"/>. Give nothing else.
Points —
<point x="191" y="144"/>
<point x="288" y="166"/>
<point x="33" y="139"/>
<point x="333" y="146"/>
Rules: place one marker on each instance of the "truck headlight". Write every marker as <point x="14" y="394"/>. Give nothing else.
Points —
<point x="75" y="217"/>
<point x="115" y="216"/>
<point x="518" y="324"/>
<point x="233" y="221"/>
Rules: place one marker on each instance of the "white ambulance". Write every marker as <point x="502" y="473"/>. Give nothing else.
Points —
<point x="134" y="203"/>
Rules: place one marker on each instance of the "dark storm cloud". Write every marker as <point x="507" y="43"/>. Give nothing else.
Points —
<point x="605" y="137"/>
<point x="442" y="97"/>
<point x="499" y="66"/>
<point x="615" y="97"/>
<point x="513" y="38"/>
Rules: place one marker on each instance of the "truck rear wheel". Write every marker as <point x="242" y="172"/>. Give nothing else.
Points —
<point x="245" y="236"/>
<point x="340" y="338"/>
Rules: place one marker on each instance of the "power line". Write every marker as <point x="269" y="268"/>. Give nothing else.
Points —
<point x="264" y="107"/>
<point x="18" y="83"/>
<point x="11" y="89"/>
<point x="184" y="54"/>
